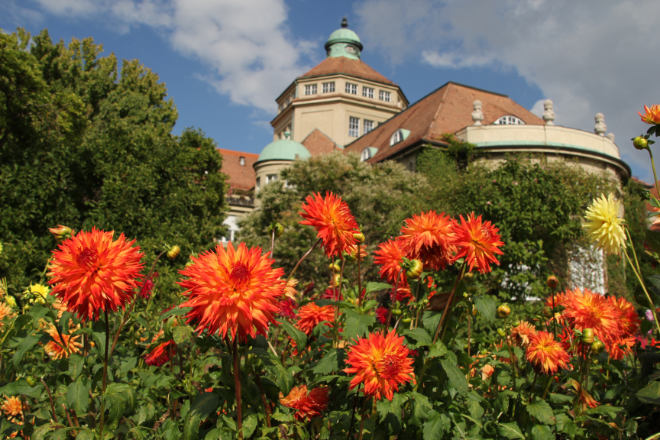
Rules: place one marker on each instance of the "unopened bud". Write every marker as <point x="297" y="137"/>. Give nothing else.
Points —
<point x="11" y="301"/>
<point x="588" y="336"/>
<point x="641" y="143"/>
<point x="61" y="232"/>
<point x="359" y="237"/>
<point x="334" y="266"/>
<point x="415" y="270"/>
<point x="173" y="252"/>
<point x="552" y="282"/>
<point x="597" y="346"/>
<point x="503" y="310"/>
<point x="501" y="332"/>
<point x="276" y="228"/>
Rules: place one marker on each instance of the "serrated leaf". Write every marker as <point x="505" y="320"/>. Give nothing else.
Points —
<point x="650" y="393"/>
<point x="76" y="363"/>
<point x="201" y="407"/>
<point x="423" y="407"/>
<point x="328" y="363"/>
<point x="437" y="350"/>
<point x="77" y="396"/>
<point x="421" y="336"/>
<point x="566" y="425"/>
<point x="21" y="386"/>
<point x="541" y="411"/>
<point x="542" y="432"/>
<point x="455" y="375"/>
<point x="436" y="427"/>
<point x="357" y="324"/>
<point x="299" y="337"/>
<point x="249" y="425"/>
<point x="119" y="400"/>
<point x="606" y="410"/>
<point x="430" y="320"/>
<point x="385" y="407"/>
<point x="85" y="434"/>
<point x="510" y="430"/>
<point x="26" y="343"/>
<point x="174" y="311"/>
<point x="376" y="286"/>
<point x="486" y="306"/>
<point x="181" y="334"/>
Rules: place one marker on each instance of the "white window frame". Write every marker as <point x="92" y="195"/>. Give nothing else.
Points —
<point x="509" y="120"/>
<point x="351" y="88"/>
<point x="368" y="92"/>
<point x="310" y="89"/>
<point x="367" y="126"/>
<point x="353" y="126"/>
<point x="384" y="95"/>
<point x="329" y="87"/>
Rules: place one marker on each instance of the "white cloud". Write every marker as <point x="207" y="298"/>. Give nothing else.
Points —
<point x="246" y="43"/>
<point x="588" y="56"/>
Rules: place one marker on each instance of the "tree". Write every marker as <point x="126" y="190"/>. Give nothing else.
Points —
<point x="84" y="145"/>
<point x="380" y="197"/>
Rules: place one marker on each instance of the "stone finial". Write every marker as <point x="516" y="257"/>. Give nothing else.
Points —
<point x="600" y="127"/>
<point x="344" y="22"/>
<point x="477" y="114"/>
<point x="548" y="112"/>
<point x="610" y="136"/>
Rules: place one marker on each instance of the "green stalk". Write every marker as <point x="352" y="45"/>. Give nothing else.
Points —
<point x="105" y="374"/>
<point x="641" y="283"/>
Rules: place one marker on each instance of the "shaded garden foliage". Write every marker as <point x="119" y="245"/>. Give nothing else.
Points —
<point x="86" y="142"/>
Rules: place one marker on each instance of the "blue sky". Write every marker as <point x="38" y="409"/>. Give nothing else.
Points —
<point x="225" y="61"/>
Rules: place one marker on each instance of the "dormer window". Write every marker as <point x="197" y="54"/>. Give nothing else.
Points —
<point x="368" y="153"/>
<point x="399" y="136"/>
<point x="509" y="120"/>
<point x="241" y="161"/>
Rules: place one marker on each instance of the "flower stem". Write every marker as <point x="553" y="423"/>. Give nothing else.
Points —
<point x="655" y="177"/>
<point x="445" y="312"/>
<point x="105" y="374"/>
<point x="237" y="388"/>
<point x="641" y="283"/>
<point x="303" y="257"/>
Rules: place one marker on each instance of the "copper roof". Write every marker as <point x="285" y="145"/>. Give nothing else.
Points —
<point x="448" y="109"/>
<point x="239" y="177"/>
<point x="319" y="143"/>
<point x="347" y="66"/>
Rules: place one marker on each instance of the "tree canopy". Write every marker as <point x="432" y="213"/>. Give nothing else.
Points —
<point x="86" y="143"/>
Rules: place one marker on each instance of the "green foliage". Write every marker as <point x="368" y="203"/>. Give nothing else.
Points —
<point x="82" y="144"/>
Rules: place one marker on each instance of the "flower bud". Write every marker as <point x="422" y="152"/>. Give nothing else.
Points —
<point x="334" y="266"/>
<point x="415" y="270"/>
<point x="597" y="346"/>
<point x="640" y="142"/>
<point x="11" y="301"/>
<point x="503" y="310"/>
<point x="61" y="232"/>
<point x="588" y="336"/>
<point x="173" y="252"/>
<point x="552" y="282"/>
<point x="359" y="237"/>
<point x="501" y="332"/>
<point x="30" y="380"/>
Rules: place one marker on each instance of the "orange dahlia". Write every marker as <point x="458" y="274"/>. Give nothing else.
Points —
<point x="92" y="273"/>
<point x="62" y="347"/>
<point x="546" y="353"/>
<point x="389" y="256"/>
<point x="161" y="354"/>
<point x="12" y="407"/>
<point x="429" y="237"/>
<point x="522" y="333"/>
<point x="651" y="114"/>
<point x="306" y="404"/>
<point x="381" y="363"/>
<point x="232" y="290"/>
<point x="333" y="221"/>
<point x="310" y="315"/>
<point x="478" y="241"/>
<point x="5" y="312"/>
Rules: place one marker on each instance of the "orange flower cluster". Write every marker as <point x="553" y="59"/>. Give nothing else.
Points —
<point x="62" y="347"/>
<point x="306" y="404"/>
<point x="613" y="320"/>
<point x="651" y="114"/>
<point x="380" y="362"/>
<point x="12" y="407"/>
<point x="92" y="273"/>
<point x="333" y="221"/>
<point x="438" y="241"/>
<point x="5" y="312"/>
<point x="232" y="291"/>
<point x="310" y="315"/>
<point x="546" y="353"/>
<point x="161" y="354"/>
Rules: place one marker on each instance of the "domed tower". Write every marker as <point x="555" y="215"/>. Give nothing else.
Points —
<point x="342" y="96"/>
<point x="275" y="157"/>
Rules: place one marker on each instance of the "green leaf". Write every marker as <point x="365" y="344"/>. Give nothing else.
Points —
<point x="21" y="386"/>
<point x="76" y="363"/>
<point x="436" y="427"/>
<point x="542" y="432"/>
<point x="26" y="343"/>
<point x="77" y="396"/>
<point x="181" y="334"/>
<point x="175" y="311"/>
<point x="249" y="425"/>
<point x="566" y="425"/>
<point x="437" y="350"/>
<point x="85" y="434"/>
<point x="299" y="337"/>
<point x="420" y="335"/>
<point x="328" y="363"/>
<point x="606" y="410"/>
<point x="423" y="406"/>
<point x="486" y="306"/>
<point x="356" y="324"/>
<point x="541" y="411"/>
<point x="385" y="407"/>
<point x="119" y="400"/>
<point x="202" y="406"/>
<point x="455" y="375"/>
<point x="376" y="286"/>
<point x="650" y="393"/>
<point x="430" y="320"/>
<point x="510" y="430"/>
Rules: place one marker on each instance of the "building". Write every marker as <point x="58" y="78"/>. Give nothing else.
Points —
<point x="344" y="104"/>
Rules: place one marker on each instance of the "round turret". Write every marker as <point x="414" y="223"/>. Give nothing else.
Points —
<point x="344" y="43"/>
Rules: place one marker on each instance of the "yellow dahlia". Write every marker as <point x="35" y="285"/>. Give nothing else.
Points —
<point x="603" y="224"/>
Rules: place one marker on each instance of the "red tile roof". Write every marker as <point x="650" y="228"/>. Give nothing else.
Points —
<point x="239" y="177"/>
<point x="448" y="109"/>
<point x="348" y="66"/>
<point x="318" y="143"/>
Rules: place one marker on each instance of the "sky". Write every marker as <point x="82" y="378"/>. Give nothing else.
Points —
<point x="225" y="61"/>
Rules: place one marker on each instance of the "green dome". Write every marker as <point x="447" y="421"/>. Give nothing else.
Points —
<point x="344" y="43"/>
<point x="283" y="149"/>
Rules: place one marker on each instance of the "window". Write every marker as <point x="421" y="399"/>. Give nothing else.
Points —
<point x="368" y="92"/>
<point x="271" y="178"/>
<point x="384" y="95"/>
<point x="508" y="120"/>
<point x="399" y="136"/>
<point x="351" y="88"/>
<point x="367" y="126"/>
<point x="310" y="89"/>
<point x="329" y="87"/>
<point x="241" y="161"/>
<point x="353" y="126"/>
<point x="258" y="182"/>
<point x="368" y="153"/>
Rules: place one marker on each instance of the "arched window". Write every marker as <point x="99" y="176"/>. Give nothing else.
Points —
<point x="368" y="153"/>
<point x="509" y="120"/>
<point x="399" y="136"/>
